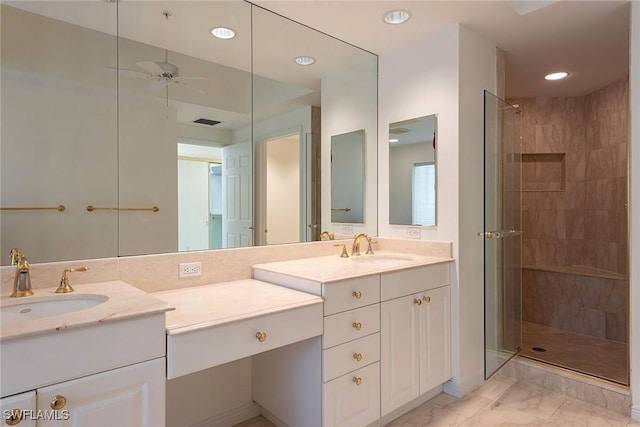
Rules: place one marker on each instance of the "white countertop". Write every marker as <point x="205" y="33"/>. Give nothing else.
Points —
<point x="332" y="268"/>
<point x="124" y="302"/>
<point x="212" y="305"/>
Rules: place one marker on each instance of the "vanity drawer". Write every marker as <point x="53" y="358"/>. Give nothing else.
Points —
<point x="400" y="283"/>
<point x="350" y="325"/>
<point x="204" y="348"/>
<point x="350" y="356"/>
<point x="352" y="399"/>
<point x="349" y="294"/>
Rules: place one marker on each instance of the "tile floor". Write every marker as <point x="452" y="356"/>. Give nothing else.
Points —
<point x="583" y="353"/>
<point x="502" y="403"/>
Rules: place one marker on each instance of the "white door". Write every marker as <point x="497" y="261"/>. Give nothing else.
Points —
<point x="133" y="396"/>
<point x="435" y="353"/>
<point x="399" y="359"/>
<point x="19" y="410"/>
<point x="237" y="196"/>
<point x="193" y="205"/>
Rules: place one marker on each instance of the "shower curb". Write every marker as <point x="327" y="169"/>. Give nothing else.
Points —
<point x="604" y="394"/>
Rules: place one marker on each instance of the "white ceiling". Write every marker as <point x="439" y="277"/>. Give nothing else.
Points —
<point x="589" y="39"/>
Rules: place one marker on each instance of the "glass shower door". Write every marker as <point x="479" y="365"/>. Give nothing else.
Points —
<point x="502" y="232"/>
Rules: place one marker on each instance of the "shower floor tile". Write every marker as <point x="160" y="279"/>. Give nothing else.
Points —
<point x="582" y="353"/>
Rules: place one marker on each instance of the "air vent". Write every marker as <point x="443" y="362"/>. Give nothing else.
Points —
<point x="208" y="122"/>
<point x="398" y="131"/>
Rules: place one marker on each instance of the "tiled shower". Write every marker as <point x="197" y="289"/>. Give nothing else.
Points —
<point x="575" y="230"/>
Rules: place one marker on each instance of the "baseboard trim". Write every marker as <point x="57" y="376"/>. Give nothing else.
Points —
<point x="231" y="417"/>
<point x="407" y="407"/>
<point x="460" y="389"/>
<point x="635" y="413"/>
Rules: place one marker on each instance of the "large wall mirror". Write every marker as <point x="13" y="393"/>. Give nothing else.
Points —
<point x="412" y="171"/>
<point x="157" y="136"/>
<point x="347" y="177"/>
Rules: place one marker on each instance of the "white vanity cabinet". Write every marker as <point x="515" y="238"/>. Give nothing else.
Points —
<point x="16" y="409"/>
<point x="415" y="334"/>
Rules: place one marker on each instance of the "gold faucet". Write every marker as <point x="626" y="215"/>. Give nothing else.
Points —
<point x="331" y="236"/>
<point x="355" y="249"/>
<point x="65" y="287"/>
<point x="22" y="280"/>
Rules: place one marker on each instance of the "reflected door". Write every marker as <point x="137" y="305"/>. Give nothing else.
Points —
<point x="502" y="232"/>
<point x="237" y="196"/>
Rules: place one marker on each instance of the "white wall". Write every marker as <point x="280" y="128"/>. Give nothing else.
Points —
<point x="283" y="190"/>
<point x="446" y="74"/>
<point x="634" y="217"/>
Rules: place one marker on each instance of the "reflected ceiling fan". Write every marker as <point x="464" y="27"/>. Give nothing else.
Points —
<point x="161" y="74"/>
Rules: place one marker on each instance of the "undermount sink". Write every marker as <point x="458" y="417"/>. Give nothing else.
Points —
<point x="39" y="307"/>
<point x="382" y="259"/>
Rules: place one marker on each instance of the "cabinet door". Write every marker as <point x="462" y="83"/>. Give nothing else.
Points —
<point x="130" y="396"/>
<point x="435" y="341"/>
<point x="19" y="410"/>
<point x="399" y="361"/>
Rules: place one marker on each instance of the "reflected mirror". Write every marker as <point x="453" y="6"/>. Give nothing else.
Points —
<point x="412" y="171"/>
<point x="158" y="137"/>
<point x="347" y="177"/>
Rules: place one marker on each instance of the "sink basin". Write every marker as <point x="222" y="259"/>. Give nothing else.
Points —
<point x="38" y="307"/>
<point x="382" y="259"/>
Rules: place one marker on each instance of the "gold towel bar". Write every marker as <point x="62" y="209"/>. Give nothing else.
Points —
<point x="94" y="208"/>
<point x="58" y="208"/>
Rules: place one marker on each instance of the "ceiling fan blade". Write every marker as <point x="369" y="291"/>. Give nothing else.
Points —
<point x="157" y="85"/>
<point x="133" y="74"/>
<point x="150" y="67"/>
<point x="189" y="78"/>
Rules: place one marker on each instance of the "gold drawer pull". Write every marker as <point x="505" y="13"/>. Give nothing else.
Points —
<point x="357" y="380"/>
<point x="357" y="294"/>
<point x="13" y="417"/>
<point x="427" y="299"/>
<point x="417" y="301"/>
<point x="58" y="402"/>
<point x="261" y="336"/>
<point x="357" y="357"/>
<point x="357" y="326"/>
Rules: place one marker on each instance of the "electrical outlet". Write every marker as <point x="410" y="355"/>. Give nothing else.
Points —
<point x="413" y="232"/>
<point x="190" y="269"/>
<point x="347" y="229"/>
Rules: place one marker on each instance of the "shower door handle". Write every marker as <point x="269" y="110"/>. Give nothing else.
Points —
<point x="499" y="234"/>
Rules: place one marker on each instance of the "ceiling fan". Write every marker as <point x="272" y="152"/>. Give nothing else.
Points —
<point x="161" y="74"/>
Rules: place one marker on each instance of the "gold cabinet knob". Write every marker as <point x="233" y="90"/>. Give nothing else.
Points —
<point x="426" y="299"/>
<point x="14" y="417"/>
<point x="357" y="326"/>
<point x="357" y="357"/>
<point x="417" y="301"/>
<point x="58" y="402"/>
<point x="357" y="380"/>
<point x="357" y="294"/>
<point x="261" y="336"/>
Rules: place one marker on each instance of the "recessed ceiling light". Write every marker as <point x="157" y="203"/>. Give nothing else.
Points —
<point x="223" y="33"/>
<point x="393" y="140"/>
<point x="396" y="17"/>
<point x="304" y="60"/>
<point x="556" y="76"/>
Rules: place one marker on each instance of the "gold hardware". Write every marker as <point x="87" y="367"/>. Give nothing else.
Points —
<point x="65" y="287"/>
<point x="344" y="253"/>
<point x="251" y="228"/>
<point x="369" y="249"/>
<point x="357" y="326"/>
<point x="341" y="209"/>
<point x="355" y="249"/>
<point x="331" y="236"/>
<point x="357" y="380"/>
<point x="94" y="208"/>
<point x="427" y="299"/>
<point x="417" y="301"/>
<point x="59" y="208"/>
<point x="358" y="357"/>
<point x="13" y="417"/>
<point x="58" y="402"/>
<point x="357" y="294"/>
<point x="261" y="336"/>
<point x="486" y="234"/>
<point x="22" y="279"/>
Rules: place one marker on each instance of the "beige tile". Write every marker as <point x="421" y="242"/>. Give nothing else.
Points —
<point x="429" y="414"/>
<point x="576" y="413"/>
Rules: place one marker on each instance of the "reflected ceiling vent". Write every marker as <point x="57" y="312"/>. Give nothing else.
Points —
<point x="207" y="122"/>
<point x="399" y="131"/>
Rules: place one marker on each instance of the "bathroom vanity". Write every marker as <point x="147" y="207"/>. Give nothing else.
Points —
<point x="92" y="355"/>
<point x="386" y="339"/>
